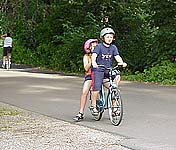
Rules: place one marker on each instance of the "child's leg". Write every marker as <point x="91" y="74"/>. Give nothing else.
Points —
<point x="117" y="80"/>
<point x="85" y="91"/>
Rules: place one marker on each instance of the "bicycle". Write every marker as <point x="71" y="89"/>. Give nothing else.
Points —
<point x="110" y="100"/>
<point x="8" y="61"/>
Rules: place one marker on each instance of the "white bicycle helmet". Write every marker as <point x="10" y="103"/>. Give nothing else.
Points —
<point x="106" y="31"/>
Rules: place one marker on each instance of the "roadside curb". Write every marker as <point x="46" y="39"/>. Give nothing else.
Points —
<point x="29" y="130"/>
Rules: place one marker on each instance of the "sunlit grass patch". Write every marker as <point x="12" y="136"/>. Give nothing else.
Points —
<point x="3" y="128"/>
<point x="5" y="115"/>
<point x="8" y="111"/>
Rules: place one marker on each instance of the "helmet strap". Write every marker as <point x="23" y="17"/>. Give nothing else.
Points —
<point x="105" y="42"/>
<point x="89" y="52"/>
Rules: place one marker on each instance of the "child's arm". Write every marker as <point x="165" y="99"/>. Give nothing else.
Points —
<point x="87" y="63"/>
<point x="120" y="61"/>
<point x="3" y="36"/>
<point x="94" y="64"/>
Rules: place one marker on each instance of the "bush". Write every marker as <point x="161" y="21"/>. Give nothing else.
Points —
<point x="164" y="73"/>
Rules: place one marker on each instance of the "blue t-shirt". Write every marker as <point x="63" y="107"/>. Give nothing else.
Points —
<point x="105" y="55"/>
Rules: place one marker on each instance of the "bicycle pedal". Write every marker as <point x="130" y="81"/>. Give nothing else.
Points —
<point x="117" y="113"/>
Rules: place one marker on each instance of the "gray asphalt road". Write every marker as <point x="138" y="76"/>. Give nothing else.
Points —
<point x="149" y="121"/>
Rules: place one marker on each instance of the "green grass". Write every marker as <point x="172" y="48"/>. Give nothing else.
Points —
<point x="7" y="111"/>
<point x="4" y="128"/>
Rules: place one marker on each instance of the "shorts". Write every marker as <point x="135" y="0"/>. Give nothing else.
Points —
<point x="98" y="76"/>
<point x="7" y="50"/>
<point x="87" y="77"/>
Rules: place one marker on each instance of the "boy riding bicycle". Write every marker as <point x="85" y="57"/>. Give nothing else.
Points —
<point x="103" y="54"/>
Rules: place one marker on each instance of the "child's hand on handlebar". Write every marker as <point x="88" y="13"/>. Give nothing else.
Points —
<point x="123" y="64"/>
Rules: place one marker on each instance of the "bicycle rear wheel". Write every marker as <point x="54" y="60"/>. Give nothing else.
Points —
<point x="115" y="107"/>
<point x="100" y="109"/>
<point x="8" y="63"/>
<point x="99" y="106"/>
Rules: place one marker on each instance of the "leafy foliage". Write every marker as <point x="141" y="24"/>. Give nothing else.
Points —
<point x="51" y="34"/>
<point x="163" y="19"/>
<point x="162" y="73"/>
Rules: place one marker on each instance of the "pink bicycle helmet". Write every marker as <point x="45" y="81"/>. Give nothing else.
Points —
<point x="87" y="44"/>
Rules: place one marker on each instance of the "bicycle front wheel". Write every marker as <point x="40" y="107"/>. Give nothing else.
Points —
<point x="115" y="107"/>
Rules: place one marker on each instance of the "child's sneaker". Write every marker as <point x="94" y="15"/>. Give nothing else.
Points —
<point x="94" y="111"/>
<point x="78" y="117"/>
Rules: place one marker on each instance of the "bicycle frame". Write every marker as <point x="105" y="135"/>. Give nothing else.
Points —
<point x="8" y="61"/>
<point x="105" y="95"/>
<point x="110" y="100"/>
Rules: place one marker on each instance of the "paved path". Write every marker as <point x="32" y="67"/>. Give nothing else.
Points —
<point x="149" y="121"/>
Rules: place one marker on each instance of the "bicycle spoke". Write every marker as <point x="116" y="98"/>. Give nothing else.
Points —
<point x="115" y="108"/>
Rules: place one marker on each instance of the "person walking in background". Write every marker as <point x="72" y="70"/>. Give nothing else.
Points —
<point x="7" y="48"/>
<point x="88" y="47"/>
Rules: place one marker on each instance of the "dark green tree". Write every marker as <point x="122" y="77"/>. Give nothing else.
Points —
<point x="164" y="23"/>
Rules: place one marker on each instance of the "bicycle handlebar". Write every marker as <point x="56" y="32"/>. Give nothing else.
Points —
<point x="108" y="68"/>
